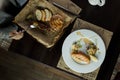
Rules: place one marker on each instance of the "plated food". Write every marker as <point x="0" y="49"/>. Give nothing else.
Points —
<point x="83" y="52"/>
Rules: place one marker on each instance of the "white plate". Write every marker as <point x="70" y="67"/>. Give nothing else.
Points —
<point x="66" y="49"/>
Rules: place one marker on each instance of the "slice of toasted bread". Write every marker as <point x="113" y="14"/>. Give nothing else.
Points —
<point x="43" y="15"/>
<point x="48" y="14"/>
<point x="38" y="14"/>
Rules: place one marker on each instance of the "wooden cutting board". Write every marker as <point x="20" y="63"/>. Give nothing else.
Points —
<point x="53" y="37"/>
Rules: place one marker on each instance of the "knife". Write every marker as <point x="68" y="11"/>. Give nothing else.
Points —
<point x="65" y="9"/>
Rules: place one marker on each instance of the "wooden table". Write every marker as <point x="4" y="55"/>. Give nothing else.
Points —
<point x="107" y="16"/>
<point x="17" y="67"/>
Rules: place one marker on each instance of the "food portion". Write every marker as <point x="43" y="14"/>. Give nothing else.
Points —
<point x="44" y="16"/>
<point x="56" y="22"/>
<point x="93" y="58"/>
<point x="91" y="49"/>
<point x="80" y="57"/>
<point x="83" y="51"/>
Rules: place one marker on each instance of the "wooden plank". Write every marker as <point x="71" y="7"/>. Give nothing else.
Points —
<point x="17" y="67"/>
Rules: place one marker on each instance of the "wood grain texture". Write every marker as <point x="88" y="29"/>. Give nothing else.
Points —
<point x="16" y="67"/>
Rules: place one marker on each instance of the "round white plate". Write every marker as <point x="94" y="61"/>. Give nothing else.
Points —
<point x="66" y="49"/>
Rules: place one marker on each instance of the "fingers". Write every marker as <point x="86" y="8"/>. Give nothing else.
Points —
<point x="16" y="35"/>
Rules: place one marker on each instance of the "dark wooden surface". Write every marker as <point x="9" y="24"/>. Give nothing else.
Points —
<point x="16" y="67"/>
<point x="107" y="17"/>
<point x="117" y="77"/>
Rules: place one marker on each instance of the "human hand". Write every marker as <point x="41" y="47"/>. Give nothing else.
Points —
<point x="16" y="35"/>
